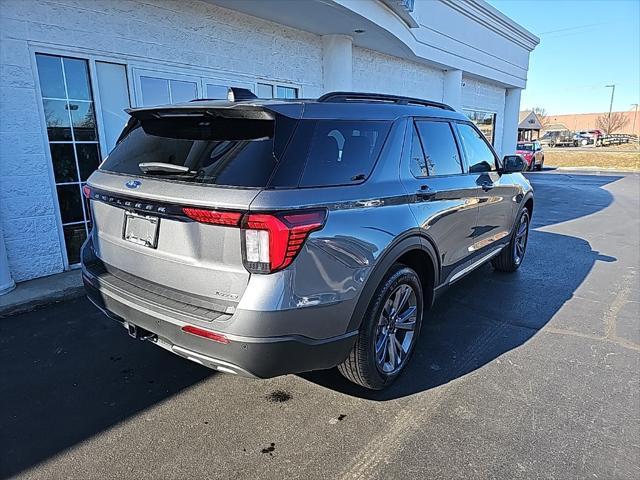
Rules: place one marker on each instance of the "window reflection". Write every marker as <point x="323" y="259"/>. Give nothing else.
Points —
<point x="51" y="79"/>
<point x="64" y="162"/>
<point x="485" y="121"/>
<point x="84" y="120"/>
<point x="57" y="118"/>
<point x="77" y="76"/>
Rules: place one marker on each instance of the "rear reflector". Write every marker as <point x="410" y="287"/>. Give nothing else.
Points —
<point x="208" y="334"/>
<point x="213" y="217"/>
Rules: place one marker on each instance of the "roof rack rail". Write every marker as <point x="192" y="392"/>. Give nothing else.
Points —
<point x="380" y="97"/>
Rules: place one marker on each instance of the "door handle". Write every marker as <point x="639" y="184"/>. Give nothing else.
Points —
<point x="486" y="186"/>
<point x="425" y="193"/>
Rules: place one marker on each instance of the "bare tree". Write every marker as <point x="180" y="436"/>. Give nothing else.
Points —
<point x="542" y="117"/>
<point x="611" y="123"/>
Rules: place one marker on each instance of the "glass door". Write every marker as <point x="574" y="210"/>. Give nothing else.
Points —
<point x="73" y="141"/>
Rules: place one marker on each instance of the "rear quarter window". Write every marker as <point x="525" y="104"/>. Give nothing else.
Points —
<point x="342" y="152"/>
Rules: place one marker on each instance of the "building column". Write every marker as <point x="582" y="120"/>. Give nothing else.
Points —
<point x="337" y="63"/>
<point x="510" y="120"/>
<point x="452" y="89"/>
<point x="6" y="282"/>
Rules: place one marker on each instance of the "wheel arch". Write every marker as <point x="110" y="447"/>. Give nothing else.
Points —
<point x="415" y="252"/>
<point x="528" y="204"/>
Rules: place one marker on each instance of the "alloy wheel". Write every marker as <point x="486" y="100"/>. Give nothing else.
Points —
<point x="396" y="329"/>
<point x="520" y="243"/>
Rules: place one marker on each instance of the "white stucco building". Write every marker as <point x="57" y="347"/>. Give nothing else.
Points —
<point x="70" y="67"/>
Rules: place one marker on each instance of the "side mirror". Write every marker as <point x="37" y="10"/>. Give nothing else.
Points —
<point x="513" y="164"/>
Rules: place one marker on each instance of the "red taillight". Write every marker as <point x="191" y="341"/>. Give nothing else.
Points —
<point x="86" y="190"/>
<point x="213" y="216"/>
<point x="272" y="241"/>
<point x="208" y="334"/>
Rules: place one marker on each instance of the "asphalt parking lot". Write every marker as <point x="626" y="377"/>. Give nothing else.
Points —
<point x="529" y="375"/>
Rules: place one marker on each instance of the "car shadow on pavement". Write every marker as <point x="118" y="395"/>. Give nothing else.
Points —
<point x="489" y="313"/>
<point x="64" y="382"/>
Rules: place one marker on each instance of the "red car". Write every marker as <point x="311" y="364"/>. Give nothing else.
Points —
<point x="532" y="153"/>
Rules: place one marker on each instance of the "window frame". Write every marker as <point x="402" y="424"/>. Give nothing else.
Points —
<point x="454" y="133"/>
<point x="498" y="162"/>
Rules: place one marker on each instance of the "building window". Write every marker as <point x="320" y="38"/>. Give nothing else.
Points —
<point x="286" y="92"/>
<point x="485" y="121"/>
<point x="163" y="91"/>
<point x="217" y="92"/>
<point x="73" y="141"/>
<point x="266" y="90"/>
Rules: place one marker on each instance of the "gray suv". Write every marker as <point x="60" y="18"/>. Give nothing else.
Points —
<point x="266" y="237"/>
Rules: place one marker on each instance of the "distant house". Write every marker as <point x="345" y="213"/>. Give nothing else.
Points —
<point x="529" y="126"/>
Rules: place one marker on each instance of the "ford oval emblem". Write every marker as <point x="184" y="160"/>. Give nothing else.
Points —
<point x="133" y="184"/>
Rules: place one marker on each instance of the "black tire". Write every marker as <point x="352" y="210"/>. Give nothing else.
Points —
<point x="539" y="167"/>
<point x="508" y="260"/>
<point x="361" y="366"/>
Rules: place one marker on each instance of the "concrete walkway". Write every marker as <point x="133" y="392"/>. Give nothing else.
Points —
<point x="41" y="291"/>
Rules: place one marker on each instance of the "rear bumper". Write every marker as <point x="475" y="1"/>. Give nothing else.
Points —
<point x="261" y="357"/>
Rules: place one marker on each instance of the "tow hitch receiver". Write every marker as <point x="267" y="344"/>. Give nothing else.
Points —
<point x="140" y="333"/>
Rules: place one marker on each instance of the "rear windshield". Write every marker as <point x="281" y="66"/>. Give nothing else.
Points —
<point x="284" y="153"/>
<point x="227" y="152"/>
<point x="525" y="146"/>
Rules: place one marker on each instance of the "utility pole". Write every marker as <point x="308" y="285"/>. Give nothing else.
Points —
<point x="635" y="114"/>
<point x="613" y="90"/>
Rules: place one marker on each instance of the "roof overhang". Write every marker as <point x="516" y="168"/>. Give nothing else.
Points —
<point x="467" y="35"/>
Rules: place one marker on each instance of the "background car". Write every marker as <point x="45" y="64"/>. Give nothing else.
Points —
<point x="558" y="138"/>
<point x="532" y="153"/>
<point x="589" y="137"/>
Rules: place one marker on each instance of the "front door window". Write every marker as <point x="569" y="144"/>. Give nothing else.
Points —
<point x="73" y="141"/>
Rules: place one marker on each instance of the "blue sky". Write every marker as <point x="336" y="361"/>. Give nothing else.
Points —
<point x="584" y="45"/>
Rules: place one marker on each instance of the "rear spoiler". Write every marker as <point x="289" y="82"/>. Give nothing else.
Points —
<point x="217" y="109"/>
<point x="225" y="110"/>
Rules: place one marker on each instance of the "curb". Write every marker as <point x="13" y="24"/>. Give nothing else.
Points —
<point x="34" y="294"/>
<point x="33" y="304"/>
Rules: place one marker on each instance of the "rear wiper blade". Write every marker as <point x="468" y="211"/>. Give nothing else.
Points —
<point x="160" y="167"/>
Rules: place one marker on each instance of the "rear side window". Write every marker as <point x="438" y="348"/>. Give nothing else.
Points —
<point x="342" y="152"/>
<point x="479" y="156"/>
<point x="441" y="156"/>
<point x="239" y="153"/>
